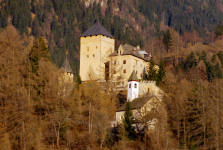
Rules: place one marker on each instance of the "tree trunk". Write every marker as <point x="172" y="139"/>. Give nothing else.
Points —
<point x="185" y="133"/>
<point x="217" y="138"/>
<point x="204" y="125"/>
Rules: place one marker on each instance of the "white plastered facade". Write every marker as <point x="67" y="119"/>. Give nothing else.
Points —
<point x="133" y="90"/>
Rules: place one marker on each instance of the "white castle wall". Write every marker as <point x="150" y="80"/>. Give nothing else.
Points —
<point x="149" y="87"/>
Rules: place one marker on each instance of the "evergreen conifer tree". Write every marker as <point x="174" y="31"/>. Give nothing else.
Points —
<point x="203" y="56"/>
<point x="218" y="71"/>
<point x="167" y="39"/>
<point x="151" y="72"/>
<point x="128" y="121"/>
<point x="220" y="56"/>
<point x="38" y="51"/>
<point x="191" y="61"/>
<point x="161" y="73"/>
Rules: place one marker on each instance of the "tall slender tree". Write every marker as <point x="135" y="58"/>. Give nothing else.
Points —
<point x="128" y="121"/>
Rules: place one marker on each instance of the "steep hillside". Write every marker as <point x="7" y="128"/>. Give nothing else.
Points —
<point x="61" y="22"/>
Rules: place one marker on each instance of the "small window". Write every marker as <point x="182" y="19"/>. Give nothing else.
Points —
<point x="93" y="55"/>
<point x="67" y="73"/>
<point x="87" y="56"/>
<point x="135" y="85"/>
<point x="114" y="71"/>
<point x="96" y="47"/>
<point x="141" y="75"/>
<point x="136" y="72"/>
<point x="114" y="62"/>
<point x="136" y="62"/>
<point x="120" y="52"/>
<point x="88" y="49"/>
<point x="129" y="85"/>
<point x="124" y="61"/>
<point x="148" y="90"/>
<point x="141" y="65"/>
<point x="124" y="71"/>
<point x="89" y="75"/>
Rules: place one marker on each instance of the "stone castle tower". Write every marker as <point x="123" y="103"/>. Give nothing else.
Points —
<point x="95" y="45"/>
<point x="68" y="74"/>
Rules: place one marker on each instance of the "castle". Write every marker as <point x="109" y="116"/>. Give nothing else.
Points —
<point x="126" y="67"/>
<point x="99" y="59"/>
<point x="101" y="62"/>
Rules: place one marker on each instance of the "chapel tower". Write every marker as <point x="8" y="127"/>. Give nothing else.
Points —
<point x="133" y="87"/>
<point x="96" y="44"/>
<point x="68" y="73"/>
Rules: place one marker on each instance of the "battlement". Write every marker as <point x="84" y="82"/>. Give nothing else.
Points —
<point x="149" y="87"/>
<point x="147" y="81"/>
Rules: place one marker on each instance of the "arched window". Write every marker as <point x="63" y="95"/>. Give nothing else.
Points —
<point x="135" y="85"/>
<point x="148" y="90"/>
<point x="129" y="85"/>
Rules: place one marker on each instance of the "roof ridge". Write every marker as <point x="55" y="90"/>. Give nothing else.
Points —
<point x="97" y="29"/>
<point x="133" y="76"/>
<point x="66" y="66"/>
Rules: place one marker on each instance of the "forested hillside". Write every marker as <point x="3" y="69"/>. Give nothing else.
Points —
<point x="184" y="38"/>
<point x="183" y="15"/>
<point x="130" y="21"/>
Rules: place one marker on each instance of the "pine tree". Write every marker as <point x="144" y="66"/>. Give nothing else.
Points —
<point x="218" y="71"/>
<point x="219" y="30"/>
<point x="191" y="61"/>
<point x="211" y="72"/>
<point x="167" y="39"/>
<point x="38" y="51"/>
<point x="128" y="121"/>
<point x="35" y="30"/>
<point x="203" y="56"/>
<point x="220" y="56"/>
<point x="151" y="72"/>
<point x="161" y="73"/>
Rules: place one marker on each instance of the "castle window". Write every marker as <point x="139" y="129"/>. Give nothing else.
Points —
<point x="136" y="62"/>
<point x="136" y="72"/>
<point x="129" y="85"/>
<point x="135" y="85"/>
<point x="141" y="75"/>
<point x="114" y="71"/>
<point x="120" y="52"/>
<point x="124" y="61"/>
<point x="141" y="65"/>
<point x="93" y="55"/>
<point x="87" y="56"/>
<point x="148" y="90"/>
<point x="96" y="47"/>
<point x="114" y="62"/>
<point x="88" y="49"/>
<point x="124" y="71"/>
